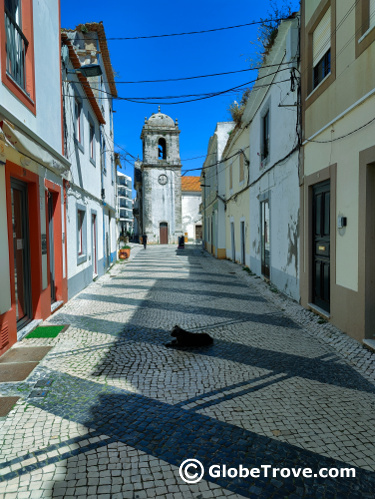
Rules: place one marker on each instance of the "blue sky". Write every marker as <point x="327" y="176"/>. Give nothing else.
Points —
<point x="174" y="57"/>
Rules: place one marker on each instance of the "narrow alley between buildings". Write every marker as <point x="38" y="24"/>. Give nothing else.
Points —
<point x="119" y="412"/>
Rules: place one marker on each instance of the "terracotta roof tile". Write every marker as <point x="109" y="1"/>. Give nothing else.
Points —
<point x="84" y="81"/>
<point x="99" y="28"/>
<point x="190" y="184"/>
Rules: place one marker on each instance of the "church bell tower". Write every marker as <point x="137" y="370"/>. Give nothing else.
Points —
<point x="160" y="189"/>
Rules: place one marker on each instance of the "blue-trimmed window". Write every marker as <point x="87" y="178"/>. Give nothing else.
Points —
<point x="92" y="142"/>
<point x="81" y="234"/>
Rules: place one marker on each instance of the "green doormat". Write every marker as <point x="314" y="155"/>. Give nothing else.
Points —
<point x="47" y="331"/>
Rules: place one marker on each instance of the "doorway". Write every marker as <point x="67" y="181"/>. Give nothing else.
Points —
<point x="233" y="241"/>
<point x="51" y="247"/>
<point x="265" y="238"/>
<point x="21" y="249"/>
<point x="198" y="233"/>
<point x="243" y="253"/>
<point x="94" y="245"/>
<point x="163" y="227"/>
<point x="321" y="246"/>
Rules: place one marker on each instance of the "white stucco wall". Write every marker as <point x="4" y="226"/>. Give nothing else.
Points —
<point x="46" y="125"/>
<point x="276" y="178"/>
<point x="88" y="177"/>
<point x="213" y="177"/>
<point x="190" y="213"/>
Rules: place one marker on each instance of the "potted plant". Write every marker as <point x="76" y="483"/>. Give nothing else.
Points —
<point x="124" y="251"/>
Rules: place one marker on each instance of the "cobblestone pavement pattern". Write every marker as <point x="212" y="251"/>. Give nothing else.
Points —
<point x="124" y="411"/>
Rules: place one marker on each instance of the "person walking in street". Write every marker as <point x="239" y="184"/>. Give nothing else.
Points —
<point x="144" y="241"/>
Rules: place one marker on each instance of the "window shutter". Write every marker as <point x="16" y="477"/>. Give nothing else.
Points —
<point x="322" y="37"/>
<point x="372" y="13"/>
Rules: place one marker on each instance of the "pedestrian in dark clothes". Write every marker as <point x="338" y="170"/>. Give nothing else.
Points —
<point x="144" y="241"/>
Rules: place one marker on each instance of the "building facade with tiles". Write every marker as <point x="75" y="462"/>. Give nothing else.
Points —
<point x="91" y="194"/>
<point x="337" y="172"/>
<point x="33" y="170"/>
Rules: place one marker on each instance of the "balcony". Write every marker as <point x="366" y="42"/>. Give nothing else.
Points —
<point x="16" y="46"/>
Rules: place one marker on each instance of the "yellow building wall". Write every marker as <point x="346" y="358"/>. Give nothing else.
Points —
<point x="344" y="153"/>
<point x="238" y="206"/>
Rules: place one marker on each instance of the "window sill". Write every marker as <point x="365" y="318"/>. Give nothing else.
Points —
<point x="317" y="87"/>
<point x="371" y="28"/>
<point x="81" y="259"/>
<point x="92" y="161"/>
<point x="18" y="88"/>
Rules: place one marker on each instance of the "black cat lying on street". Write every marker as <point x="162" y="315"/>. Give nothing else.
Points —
<point x="187" y="339"/>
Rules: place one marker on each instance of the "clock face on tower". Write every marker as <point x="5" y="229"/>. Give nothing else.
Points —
<point x="163" y="179"/>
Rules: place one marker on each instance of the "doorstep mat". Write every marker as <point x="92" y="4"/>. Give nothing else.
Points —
<point x="47" y="331"/>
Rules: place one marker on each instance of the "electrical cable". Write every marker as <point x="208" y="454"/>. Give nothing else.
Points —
<point x="194" y="77"/>
<point x="144" y="100"/>
<point x="201" y="31"/>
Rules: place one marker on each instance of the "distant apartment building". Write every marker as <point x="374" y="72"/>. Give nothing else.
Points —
<point x="124" y="204"/>
<point x="337" y="172"/>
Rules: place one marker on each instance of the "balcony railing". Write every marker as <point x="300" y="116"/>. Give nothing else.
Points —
<point x="16" y="46"/>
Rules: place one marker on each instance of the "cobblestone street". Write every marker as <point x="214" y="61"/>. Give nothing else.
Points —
<point x="278" y="387"/>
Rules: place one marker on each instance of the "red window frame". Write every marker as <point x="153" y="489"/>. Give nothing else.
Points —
<point x="26" y="97"/>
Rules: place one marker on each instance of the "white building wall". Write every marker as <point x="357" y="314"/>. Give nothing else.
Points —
<point x="190" y="213"/>
<point x="276" y="178"/>
<point x="46" y="125"/>
<point x="93" y="186"/>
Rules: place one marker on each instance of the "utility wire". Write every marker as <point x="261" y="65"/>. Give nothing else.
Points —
<point x="202" y="31"/>
<point x="197" y="97"/>
<point x="183" y="78"/>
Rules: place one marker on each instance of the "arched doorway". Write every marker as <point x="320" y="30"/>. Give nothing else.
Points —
<point x="163" y="227"/>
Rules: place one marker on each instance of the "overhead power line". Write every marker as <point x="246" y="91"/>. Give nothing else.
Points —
<point x="206" y="95"/>
<point x="261" y="21"/>
<point x="183" y="78"/>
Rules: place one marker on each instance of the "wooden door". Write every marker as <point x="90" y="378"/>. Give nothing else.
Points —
<point x="51" y="247"/>
<point x="321" y="245"/>
<point x="21" y="245"/>
<point x="163" y="233"/>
